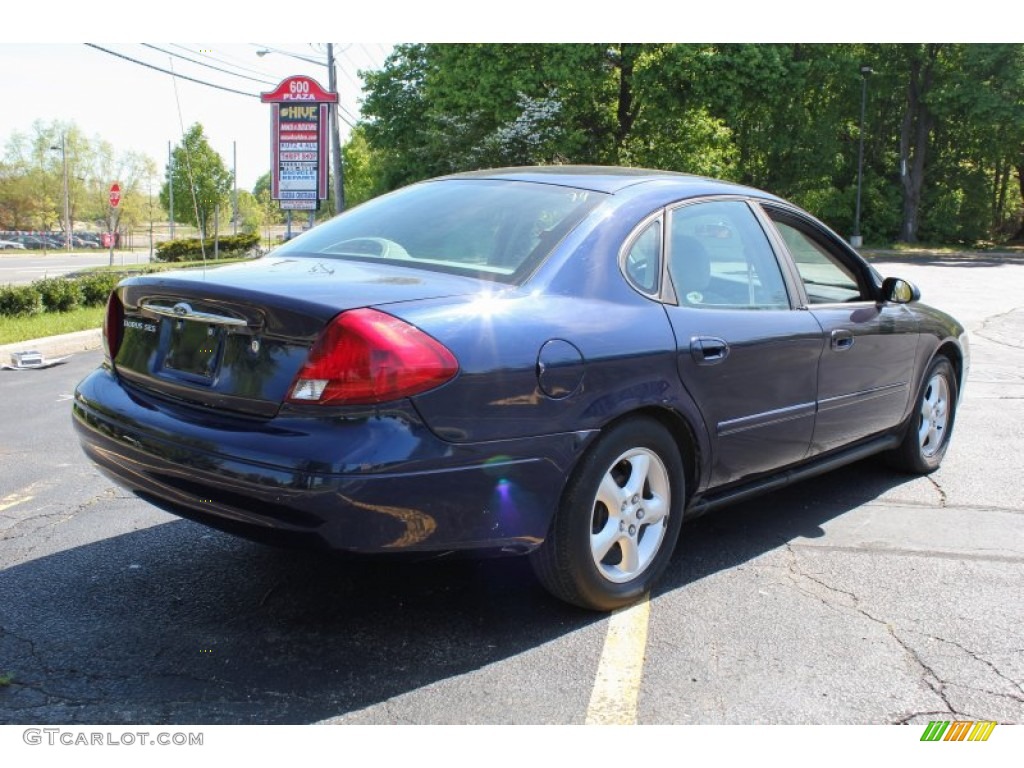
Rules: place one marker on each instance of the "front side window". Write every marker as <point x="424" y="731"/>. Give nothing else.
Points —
<point x="496" y="230"/>
<point x="720" y="258"/>
<point x="826" y="279"/>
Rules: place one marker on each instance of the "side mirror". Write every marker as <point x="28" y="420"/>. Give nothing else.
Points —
<point x="899" y="291"/>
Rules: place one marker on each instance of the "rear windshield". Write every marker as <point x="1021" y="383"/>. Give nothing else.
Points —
<point x="496" y="230"/>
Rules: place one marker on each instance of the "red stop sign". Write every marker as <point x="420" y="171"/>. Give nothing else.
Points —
<point x="115" y="195"/>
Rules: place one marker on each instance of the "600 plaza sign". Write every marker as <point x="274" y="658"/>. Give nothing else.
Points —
<point x="298" y="141"/>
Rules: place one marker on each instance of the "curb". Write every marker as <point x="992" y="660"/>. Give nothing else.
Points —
<point x="56" y="346"/>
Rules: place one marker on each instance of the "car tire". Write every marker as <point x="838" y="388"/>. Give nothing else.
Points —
<point x="931" y="424"/>
<point x="618" y="521"/>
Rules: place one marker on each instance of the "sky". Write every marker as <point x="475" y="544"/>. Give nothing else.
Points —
<point x="141" y="109"/>
<point x="138" y="108"/>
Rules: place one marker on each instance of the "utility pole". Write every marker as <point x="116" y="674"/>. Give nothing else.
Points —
<point x="67" y="198"/>
<point x="339" y="174"/>
<point x="170" y="185"/>
<point x="67" y="195"/>
<point x="234" y="193"/>
<point x="150" y="221"/>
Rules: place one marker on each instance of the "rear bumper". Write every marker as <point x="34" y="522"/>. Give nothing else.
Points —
<point x="373" y="482"/>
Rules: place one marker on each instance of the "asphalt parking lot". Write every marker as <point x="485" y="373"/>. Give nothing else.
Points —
<point x="864" y="596"/>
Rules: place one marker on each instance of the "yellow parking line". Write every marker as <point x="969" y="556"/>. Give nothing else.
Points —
<point x="16" y="498"/>
<point x="617" y="687"/>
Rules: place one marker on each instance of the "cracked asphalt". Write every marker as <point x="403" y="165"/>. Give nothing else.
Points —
<point x="863" y="596"/>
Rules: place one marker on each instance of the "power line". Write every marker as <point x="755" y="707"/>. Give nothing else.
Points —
<point x="351" y="79"/>
<point x="373" y="57"/>
<point x="224" y="58"/>
<point x="209" y="66"/>
<point x="349" y="114"/>
<point x="170" y="72"/>
<point x="309" y="60"/>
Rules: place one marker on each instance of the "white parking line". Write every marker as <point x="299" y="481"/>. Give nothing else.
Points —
<point x="613" y="700"/>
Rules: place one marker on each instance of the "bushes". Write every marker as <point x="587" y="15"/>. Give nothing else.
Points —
<point x="97" y="287"/>
<point x="20" y="300"/>
<point x="56" y="294"/>
<point x="63" y="294"/>
<point x="188" y="250"/>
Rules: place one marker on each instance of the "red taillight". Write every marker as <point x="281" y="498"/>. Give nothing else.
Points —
<point x="365" y="357"/>
<point x="113" y="326"/>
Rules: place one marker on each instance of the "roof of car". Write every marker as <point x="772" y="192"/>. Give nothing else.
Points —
<point x="606" y="178"/>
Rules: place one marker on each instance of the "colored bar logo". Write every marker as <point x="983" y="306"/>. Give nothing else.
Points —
<point x="958" y="730"/>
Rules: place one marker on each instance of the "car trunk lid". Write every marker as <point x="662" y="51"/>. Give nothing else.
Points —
<point x="234" y="338"/>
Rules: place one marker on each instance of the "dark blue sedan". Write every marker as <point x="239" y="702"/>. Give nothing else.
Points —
<point x="556" y="361"/>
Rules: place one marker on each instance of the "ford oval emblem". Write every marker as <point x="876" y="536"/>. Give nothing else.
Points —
<point x="181" y="309"/>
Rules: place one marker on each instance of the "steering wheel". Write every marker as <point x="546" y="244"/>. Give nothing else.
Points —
<point x="371" y="246"/>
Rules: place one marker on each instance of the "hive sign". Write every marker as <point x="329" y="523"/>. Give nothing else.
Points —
<point x="298" y="142"/>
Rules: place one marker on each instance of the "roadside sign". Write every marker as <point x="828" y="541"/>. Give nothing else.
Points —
<point x="300" y="205"/>
<point x="298" y="135"/>
<point x="115" y="195"/>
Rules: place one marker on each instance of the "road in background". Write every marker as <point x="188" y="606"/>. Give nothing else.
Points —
<point x="28" y="266"/>
<point x="863" y="596"/>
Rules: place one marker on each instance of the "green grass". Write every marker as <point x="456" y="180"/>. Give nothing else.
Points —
<point x="13" y="329"/>
<point x="23" y="328"/>
<point x="979" y="248"/>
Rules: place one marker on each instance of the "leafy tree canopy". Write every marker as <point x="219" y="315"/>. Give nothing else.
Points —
<point x="201" y="181"/>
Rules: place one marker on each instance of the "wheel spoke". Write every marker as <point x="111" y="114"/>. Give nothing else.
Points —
<point x="934" y="415"/>
<point x="611" y="495"/>
<point x="655" y="510"/>
<point x="925" y="430"/>
<point x="602" y="542"/>
<point x="630" y="555"/>
<point x="640" y="465"/>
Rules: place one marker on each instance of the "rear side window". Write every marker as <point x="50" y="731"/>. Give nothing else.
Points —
<point x="643" y="259"/>
<point x="719" y="257"/>
<point x="497" y="230"/>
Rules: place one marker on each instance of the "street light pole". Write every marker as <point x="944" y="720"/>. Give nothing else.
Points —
<point x="856" y="240"/>
<point x="67" y="200"/>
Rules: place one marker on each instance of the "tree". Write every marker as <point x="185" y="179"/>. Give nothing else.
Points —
<point x="980" y="143"/>
<point x="134" y="173"/>
<point x="363" y="179"/>
<point x="943" y="129"/>
<point x="922" y="64"/>
<point x="250" y="216"/>
<point x="34" y="195"/>
<point x="201" y="181"/>
<point x="436" y="109"/>
<point x="32" y="180"/>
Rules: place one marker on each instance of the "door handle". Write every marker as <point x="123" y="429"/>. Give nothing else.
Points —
<point x="842" y="339"/>
<point x="708" y="350"/>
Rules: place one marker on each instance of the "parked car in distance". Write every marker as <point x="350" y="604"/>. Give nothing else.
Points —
<point x="77" y="241"/>
<point x="31" y="242"/>
<point x="11" y="245"/>
<point x="560" y="362"/>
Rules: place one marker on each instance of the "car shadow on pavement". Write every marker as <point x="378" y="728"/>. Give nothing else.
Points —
<point x="180" y="624"/>
<point x="730" y="536"/>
